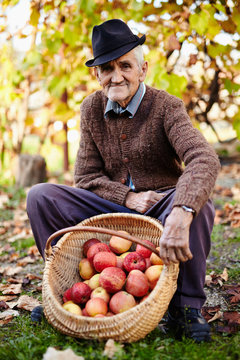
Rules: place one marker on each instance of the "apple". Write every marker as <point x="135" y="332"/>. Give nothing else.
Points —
<point x="88" y="244"/>
<point x="156" y="260"/>
<point x="103" y="260"/>
<point x="67" y="295"/>
<point x="99" y="315"/>
<point x="72" y="308"/>
<point x="134" y="261"/>
<point x="119" y="245"/>
<point x="137" y="283"/>
<point x="100" y="292"/>
<point x="144" y="297"/>
<point x="153" y="273"/>
<point x="112" y="279"/>
<point x="94" y="281"/>
<point x="80" y="292"/>
<point x="84" y="312"/>
<point x="148" y="262"/>
<point x="86" y="270"/>
<point x="109" y="313"/>
<point x="124" y="254"/>
<point x="96" y="248"/>
<point x="96" y="306"/>
<point x="121" y="301"/>
<point x="142" y="250"/>
<point x="119" y="262"/>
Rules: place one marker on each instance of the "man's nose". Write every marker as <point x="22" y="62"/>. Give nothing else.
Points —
<point x="117" y="76"/>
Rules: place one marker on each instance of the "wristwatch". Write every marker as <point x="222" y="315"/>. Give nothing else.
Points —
<point x="188" y="209"/>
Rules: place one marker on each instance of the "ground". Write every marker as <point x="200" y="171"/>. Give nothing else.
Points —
<point x="22" y="268"/>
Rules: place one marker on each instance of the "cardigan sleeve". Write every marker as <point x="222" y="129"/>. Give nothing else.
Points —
<point x="89" y="173"/>
<point x="201" y="164"/>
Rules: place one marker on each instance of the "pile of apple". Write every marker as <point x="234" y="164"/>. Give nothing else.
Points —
<point x="114" y="279"/>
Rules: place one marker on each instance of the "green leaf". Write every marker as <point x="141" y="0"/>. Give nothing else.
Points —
<point x="58" y="85"/>
<point x="199" y="22"/>
<point x="217" y="50"/>
<point x="177" y="84"/>
<point x="231" y="86"/>
<point x="70" y="35"/>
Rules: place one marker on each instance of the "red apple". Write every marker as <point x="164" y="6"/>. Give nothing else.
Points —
<point x="94" y="281"/>
<point x="119" y="245"/>
<point x="119" y="262"/>
<point x="134" y="261"/>
<point x="148" y="262"/>
<point x="88" y="244"/>
<point x="80" y="293"/>
<point x="103" y="260"/>
<point x="121" y="301"/>
<point x="84" y="312"/>
<point x="153" y="273"/>
<point x="109" y="313"/>
<point x="86" y="269"/>
<point x="96" y="306"/>
<point x="96" y="248"/>
<point x="67" y="295"/>
<point x="100" y="292"/>
<point x="156" y="260"/>
<point x="112" y="279"/>
<point x="137" y="283"/>
<point x="72" y="308"/>
<point x="140" y="249"/>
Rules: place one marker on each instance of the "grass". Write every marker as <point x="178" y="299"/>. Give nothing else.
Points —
<point x="24" y="340"/>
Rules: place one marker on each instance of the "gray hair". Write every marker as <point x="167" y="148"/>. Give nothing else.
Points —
<point x="139" y="55"/>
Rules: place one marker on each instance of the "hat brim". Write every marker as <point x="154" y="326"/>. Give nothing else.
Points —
<point x="116" y="53"/>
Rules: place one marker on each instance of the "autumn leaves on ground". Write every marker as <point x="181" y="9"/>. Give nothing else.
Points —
<point x="21" y="267"/>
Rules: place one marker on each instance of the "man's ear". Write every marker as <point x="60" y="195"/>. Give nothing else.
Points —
<point x="96" y="73"/>
<point x="144" y="70"/>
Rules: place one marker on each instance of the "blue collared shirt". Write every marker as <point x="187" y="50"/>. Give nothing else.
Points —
<point x="131" y="109"/>
<point x="132" y="106"/>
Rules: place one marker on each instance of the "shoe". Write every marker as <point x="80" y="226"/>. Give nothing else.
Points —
<point x="188" y="322"/>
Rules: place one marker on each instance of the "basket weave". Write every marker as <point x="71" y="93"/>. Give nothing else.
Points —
<point x="61" y="272"/>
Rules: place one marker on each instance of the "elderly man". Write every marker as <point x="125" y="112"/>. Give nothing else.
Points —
<point x="134" y="139"/>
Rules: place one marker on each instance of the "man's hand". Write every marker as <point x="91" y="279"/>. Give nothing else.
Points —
<point x="142" y="201"/>
<point x="174" y="242"/>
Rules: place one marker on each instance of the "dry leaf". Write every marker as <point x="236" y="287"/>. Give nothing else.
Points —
<point x="224" y="275"/>
<point x="26" y="260"/>
<point x="7" y="313"/>
<point x="7" y="297"/>
<point x="32" y="277"/>
<point x="208" y="280"/>
<point x="111" y="348"/>
<point x="10" y="289"/>
<point x="217" y="316"/>
<point x="233" y="317"/>
<point x="3" y="305"/>
<point x="27" y="302"/>
<point x="12" y="270"/>
<point x="53" y="354"/>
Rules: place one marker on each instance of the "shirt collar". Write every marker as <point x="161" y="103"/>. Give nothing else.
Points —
<point x="132" y="106"/>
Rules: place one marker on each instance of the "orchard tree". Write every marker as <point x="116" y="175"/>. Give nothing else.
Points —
<point x="193" y="50"/>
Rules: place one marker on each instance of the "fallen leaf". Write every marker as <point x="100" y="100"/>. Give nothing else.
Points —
<point x="33" y="250"/>
<point x="224" y="275"/>
<point x="26" y="260"/>
<point x="217" y="316"/>
<point x="6" y="321"/>
<point x="111" y="348"/>
<point x="3" y="305"/>
<point x="209" y="311"/>
<point x="11" y="271"/>
<point x="7" y="313"/>
<point x="7" y="297"/>
<point x="27" y="302"/>
<point x="53" y="354"/>
<point x="233" y="317"/>
<point x="10" y="289"/>
<point x="33" y="276"/>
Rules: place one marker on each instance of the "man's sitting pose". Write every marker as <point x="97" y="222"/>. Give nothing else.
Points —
<point x="139" y="153"/>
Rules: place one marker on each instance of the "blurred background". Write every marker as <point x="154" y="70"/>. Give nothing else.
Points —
<point x="193" y="50"/>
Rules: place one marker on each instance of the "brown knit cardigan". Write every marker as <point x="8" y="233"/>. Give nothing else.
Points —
<point x="158" y="147"/>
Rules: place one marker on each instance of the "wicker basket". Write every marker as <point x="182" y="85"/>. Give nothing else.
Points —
<point x="61" y="272"/>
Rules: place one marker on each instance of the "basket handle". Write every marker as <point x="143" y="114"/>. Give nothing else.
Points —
<point x="48" y="249"/>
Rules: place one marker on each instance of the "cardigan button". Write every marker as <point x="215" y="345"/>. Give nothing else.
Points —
<point x="126" y="160"/>
<point x="123" y="136"/>
<point x="123" y="181"/>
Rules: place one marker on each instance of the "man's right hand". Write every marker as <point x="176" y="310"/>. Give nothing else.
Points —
<point x="142" y="201"/>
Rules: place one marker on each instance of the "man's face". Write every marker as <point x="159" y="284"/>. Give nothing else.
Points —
<point x="120" y="78"/>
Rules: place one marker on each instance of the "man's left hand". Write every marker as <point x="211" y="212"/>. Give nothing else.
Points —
<point x="174" y="242"/>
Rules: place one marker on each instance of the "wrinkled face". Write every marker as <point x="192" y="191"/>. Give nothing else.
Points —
<point x="120" y="78"/>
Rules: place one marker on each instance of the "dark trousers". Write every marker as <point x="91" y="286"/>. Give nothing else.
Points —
<point x="52" y="207"/>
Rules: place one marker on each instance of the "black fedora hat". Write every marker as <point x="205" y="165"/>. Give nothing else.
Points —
<point x="110" y="40"/>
